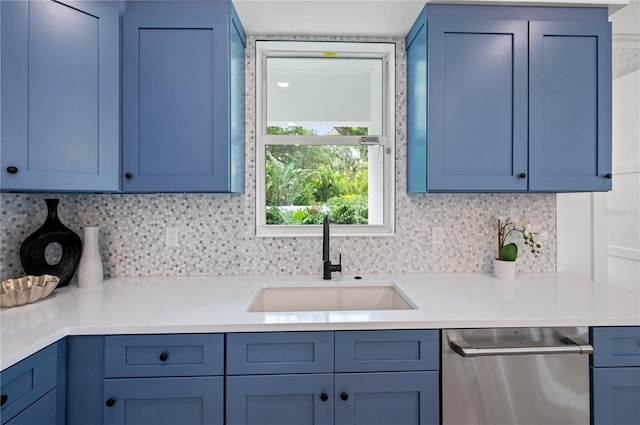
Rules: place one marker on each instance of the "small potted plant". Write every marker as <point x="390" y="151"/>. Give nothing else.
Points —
<point x="504" y="265"/>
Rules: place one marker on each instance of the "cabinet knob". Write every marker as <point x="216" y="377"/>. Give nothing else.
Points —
<point x="128" y="176"/>
<point x="324" y="396"/>
<point x="607" y="176"/>
<point x="12" y="170"/>
<point x="3" y="399"/>
<point x="344" y="396"/>
<point x="110" y="402"/>
<point x="164" y="357"/>
<point x="522" y="175"/>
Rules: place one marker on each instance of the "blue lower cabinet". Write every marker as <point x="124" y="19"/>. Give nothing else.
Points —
<point x="145" y="379"/>
<point x="168" y="401"/>
<point x="164" y="379"/>
<point x="615" y="375"/>
<point x="345" y="378"/>
<point x="280" y="399"/>
<point x="395" y="398"/>
<point x="616" y="396"/>
<point x="41" y="412"/>
<point x="29" y="393"/>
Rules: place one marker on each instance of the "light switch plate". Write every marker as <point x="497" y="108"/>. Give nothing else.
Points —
<point x="437" y="236"/>
<point x="171" y="236"/>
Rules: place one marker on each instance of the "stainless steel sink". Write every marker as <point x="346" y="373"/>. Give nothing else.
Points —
<point x="330" y="298"/>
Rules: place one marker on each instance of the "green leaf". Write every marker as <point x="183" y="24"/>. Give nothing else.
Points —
<point x="509" y="252"/>
<point x="298" y="216"/>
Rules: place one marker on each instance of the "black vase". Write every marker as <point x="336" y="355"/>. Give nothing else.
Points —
<point x="32" y="250"/>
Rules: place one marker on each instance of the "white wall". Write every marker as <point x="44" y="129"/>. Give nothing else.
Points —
<point x="598" y="233"/>
<point x="575" y="233"/>
<point x="623" y="202"/>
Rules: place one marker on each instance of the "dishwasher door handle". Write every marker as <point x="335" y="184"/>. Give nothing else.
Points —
<point x="570" y="345"/>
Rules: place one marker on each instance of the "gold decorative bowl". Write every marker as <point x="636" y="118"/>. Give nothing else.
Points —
<point x="27" y="289"/>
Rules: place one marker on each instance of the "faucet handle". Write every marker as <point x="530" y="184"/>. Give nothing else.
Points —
<point x="337" y="267"/>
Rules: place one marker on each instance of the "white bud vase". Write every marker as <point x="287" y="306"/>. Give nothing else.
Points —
<point x="90" y="272"/>
<point x="504" y="270"/>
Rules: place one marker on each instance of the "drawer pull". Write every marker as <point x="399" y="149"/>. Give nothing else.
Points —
<point x="3" y="399"/>
<point x="164" y="357"/>
<point x="111" y="402"/>
<point x="323" y="396"/>
<point x="344" y="396"/>
<point x="12" y="170"/>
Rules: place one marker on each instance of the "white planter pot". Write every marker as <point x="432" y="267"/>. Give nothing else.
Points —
<point x="504" y="270"/>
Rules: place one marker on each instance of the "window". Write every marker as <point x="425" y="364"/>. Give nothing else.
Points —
<point x="325" y="137"/>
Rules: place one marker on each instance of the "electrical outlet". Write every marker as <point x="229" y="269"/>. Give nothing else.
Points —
<point x="171" y="236"/>
<point x="437" y="236"/>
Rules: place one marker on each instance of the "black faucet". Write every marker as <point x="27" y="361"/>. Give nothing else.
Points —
<point x="327" y="267"/>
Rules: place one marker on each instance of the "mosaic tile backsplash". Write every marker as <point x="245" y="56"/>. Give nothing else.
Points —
<point x="217" y="231"/>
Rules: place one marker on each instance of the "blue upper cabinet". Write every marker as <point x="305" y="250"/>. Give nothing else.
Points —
<point x="508" y="99"/>
<point x="60" y="96"/>
<point x="183" y="98"/>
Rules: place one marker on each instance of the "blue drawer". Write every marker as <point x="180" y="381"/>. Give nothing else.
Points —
<point x="27" y="381"/>
<point x="615" y="346"/>
<point x="279" y="352"/>
<point x="387" y="351"/>
<point x="164" y="355"/>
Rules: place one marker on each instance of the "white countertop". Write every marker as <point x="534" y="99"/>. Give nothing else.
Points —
<point x="219" y="304"/>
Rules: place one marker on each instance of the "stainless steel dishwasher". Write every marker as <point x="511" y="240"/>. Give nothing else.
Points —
<point x="536" y="376"/>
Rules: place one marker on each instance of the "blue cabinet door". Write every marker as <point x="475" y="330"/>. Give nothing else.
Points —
<point x="397" y="398"/>
<point x="27" y="381"/>
<point x="42" y="412"/>
<point x="615" y="395"/>
<point x="60" y="96"/>
<point x="280" y="399"/>
<point x="570" y="106"/>
<point x="472" y="135"/>
<point x="164" y="401"/>
<point x="477" y="105"/>
<point x="182" y="76"/>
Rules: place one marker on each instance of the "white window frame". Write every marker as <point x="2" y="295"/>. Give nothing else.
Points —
<point x="386" y="51"/>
